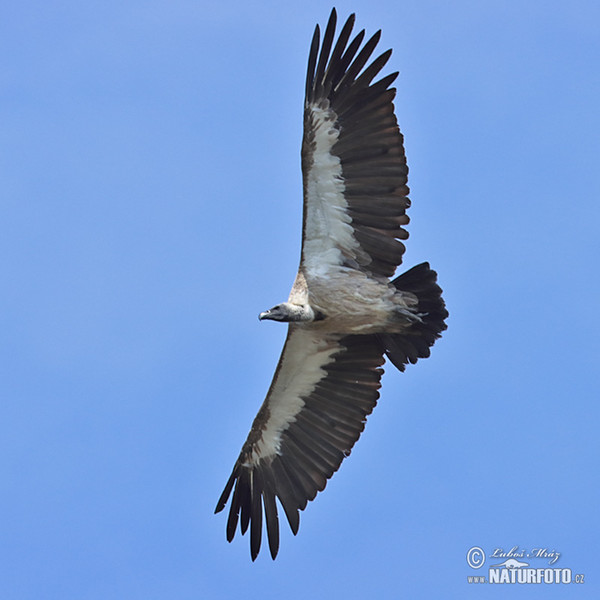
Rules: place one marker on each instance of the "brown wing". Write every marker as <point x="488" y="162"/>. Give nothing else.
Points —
<point x="353" y="162"/>
<point x="314" y="412"/>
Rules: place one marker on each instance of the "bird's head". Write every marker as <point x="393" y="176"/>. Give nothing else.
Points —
<point x="277" y="313"/>
<point x="286" y="311"/>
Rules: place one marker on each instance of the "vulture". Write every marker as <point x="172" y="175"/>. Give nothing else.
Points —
<point x="345" y="314"/>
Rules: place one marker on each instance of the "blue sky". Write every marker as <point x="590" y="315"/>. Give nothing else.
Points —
<point x="150" y="208"/>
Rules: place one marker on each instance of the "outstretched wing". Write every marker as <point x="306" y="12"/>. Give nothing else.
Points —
<point x="323" y="389"/>
<point x="353" y="163"/>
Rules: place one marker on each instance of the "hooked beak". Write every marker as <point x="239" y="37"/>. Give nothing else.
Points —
<point x="264" y="315"/>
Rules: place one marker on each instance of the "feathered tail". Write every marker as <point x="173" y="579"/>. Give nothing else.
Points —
<point x="402" y="348"/>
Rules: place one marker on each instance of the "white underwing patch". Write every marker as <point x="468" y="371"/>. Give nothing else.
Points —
<point x="328" y="233"/>
<point x="305" y="355"/>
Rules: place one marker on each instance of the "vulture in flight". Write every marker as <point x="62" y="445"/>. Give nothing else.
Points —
<point x="344" y="314"/>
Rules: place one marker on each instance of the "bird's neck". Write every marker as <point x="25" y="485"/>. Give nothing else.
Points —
<point x="299" y="312"/>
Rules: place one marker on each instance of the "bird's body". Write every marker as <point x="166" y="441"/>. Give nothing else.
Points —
<point x="350" y="302"/>
<point x="344" y="312"/>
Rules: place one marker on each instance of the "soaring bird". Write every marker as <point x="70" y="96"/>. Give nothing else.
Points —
<point x="343" y="313"/>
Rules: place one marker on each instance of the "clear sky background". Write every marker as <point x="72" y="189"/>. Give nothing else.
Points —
<point x="150" y="208"/>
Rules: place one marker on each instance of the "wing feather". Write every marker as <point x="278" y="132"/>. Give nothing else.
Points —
<point x="289" y="495"/>
<point x="325" y="49"/>
<point x="256" y="512"/>
<point x="271" y="516"/>
<point x="349" y="77"/>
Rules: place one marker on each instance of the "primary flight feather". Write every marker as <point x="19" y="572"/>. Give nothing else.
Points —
<point x="344" y="313"/>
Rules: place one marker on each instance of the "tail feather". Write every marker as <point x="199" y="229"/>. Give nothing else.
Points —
<point x="402" y="348"/>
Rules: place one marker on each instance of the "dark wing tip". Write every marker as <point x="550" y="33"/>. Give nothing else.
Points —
<point x="390" y="79"/>
<point x="332" y="18"/>
<point x="312" y="61"/>
<point x="324" y="53"/>
<point x="256" y="512"/>
<point x="254" y="490"/>
<point x="225" y="495"/>
<point x="322" y="59"/>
